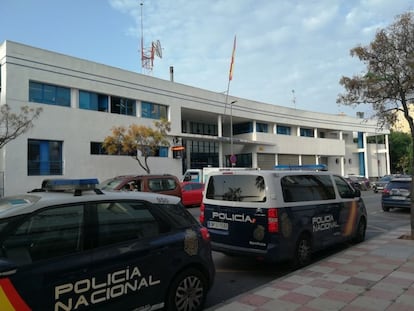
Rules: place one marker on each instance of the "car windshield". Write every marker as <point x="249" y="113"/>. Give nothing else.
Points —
<point x="110" y="184"/>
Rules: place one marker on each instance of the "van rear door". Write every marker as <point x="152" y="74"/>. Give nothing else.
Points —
<point x="234" y="213"/>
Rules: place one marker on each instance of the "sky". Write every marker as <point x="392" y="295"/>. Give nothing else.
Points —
<point x="288" y="53"/>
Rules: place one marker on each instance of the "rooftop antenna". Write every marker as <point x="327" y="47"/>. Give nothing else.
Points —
<point x="148" y="54"/>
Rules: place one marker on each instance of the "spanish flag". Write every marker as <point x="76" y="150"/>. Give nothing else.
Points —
<point x="10" y="299"/>
<point x="232" y="59"/>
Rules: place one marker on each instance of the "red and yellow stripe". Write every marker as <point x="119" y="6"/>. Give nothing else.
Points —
<point x="10" y="299"/>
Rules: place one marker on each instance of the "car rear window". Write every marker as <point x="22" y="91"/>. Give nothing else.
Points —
<point x="399" y="185"/>
<point x="297" y="188"/>
<point x="245" y="188"/>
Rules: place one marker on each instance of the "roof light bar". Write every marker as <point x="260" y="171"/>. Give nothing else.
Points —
<point x="69" y="184"/>
<point x="305" y="167"/>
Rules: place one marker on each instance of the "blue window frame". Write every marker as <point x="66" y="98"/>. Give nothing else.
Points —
<point x="306" y="132"/>
<point x="153" y="111"/>
<point x="122" y="105"/>
<point x="44" y="157"/>
<point x="93" y="101"/>
<point x="49" y="94"/>
<point x="261" y="127"/>
<point x="283" y="130"/>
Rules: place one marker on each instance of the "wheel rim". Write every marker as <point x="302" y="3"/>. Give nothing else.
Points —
<point x="189" y="294"/>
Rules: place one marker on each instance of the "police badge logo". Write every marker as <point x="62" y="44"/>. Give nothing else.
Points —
<point x="191" y="242"/>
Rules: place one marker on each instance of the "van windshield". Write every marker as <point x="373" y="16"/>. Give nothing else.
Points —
<point x="245" y="188"/>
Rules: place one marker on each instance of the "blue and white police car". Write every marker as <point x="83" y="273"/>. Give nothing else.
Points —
<point x="71" y="246"/>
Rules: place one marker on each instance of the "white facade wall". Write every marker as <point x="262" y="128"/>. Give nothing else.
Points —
<point x="77" y="128"/>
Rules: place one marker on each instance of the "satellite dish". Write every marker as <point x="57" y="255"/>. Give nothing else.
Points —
<point x="157" y="48"/>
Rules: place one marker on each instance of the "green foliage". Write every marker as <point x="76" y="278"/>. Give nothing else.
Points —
<point x="139" y="141"/>
<point x="400" y="145"/>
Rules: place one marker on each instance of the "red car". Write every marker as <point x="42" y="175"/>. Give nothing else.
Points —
<point x="191" y="193"/>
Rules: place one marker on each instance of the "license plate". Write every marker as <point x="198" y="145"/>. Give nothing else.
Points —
<point x="398" y="198"/>
<point x="218" y="225"/>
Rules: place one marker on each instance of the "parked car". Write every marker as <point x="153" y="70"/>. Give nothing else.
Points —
<point x="192" y="193"/>
<point x="380" y="184"/>
<point x="397" y="194"/>
<point x="359" y="182"/>
<point x="164" y="184"/>
<point x="82" y="248"/>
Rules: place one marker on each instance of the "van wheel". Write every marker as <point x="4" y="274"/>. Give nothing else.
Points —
<point x="303" y="251"/>
<point x="187" y="291"/>
<point x="360" y="232"/>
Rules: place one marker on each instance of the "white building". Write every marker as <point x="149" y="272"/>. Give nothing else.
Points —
<point x="83" y="100"/>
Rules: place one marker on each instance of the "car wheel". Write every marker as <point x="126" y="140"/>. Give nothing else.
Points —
<point x="360" y="232"/>
<point x="385" y="208"/>
<point x="303" y="251"/>
<point x="187" y="291"/>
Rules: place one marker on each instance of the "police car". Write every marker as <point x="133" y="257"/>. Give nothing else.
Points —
<point x="70" y="246"/>
<point x="281" y="215"/>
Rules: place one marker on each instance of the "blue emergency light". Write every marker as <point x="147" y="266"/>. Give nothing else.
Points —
<point x="69" y="184"/>
<point x="305" y="167"/>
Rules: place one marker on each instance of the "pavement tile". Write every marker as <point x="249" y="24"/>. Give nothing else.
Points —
<point x="298" y="279"/>
<point x="351" y="288"/>
<point x="331" y="264"/>
<point x="360" y="282"/>
<point x="382" y="294"/>
<point x="297" y="298"/>
<point x="370" y="303"/>
<point x="278" y="304"/>
<point x="397" y="281"/>
<point x="339" y="260"/>
<point x="323" y="283"/>
<point x="406" y="299"/>
<point x="321" y="268"/>
<point x="335" y="277"/>
<point x="310" y="273"/>
<point x="354" y="308"/>
<point x="306" y="308"/>
<point x="339" y="295"/>
<point x="233" y="306"/>
<point x="400" y="307"/>
<point x="254" y="300"/>
<point x="310" y="290"/>
<point x="325" y="304"/>
<point x="392" y="288"/>
<point x="355" y="253"/>
<point x="271" y="292"/>
<point x="403" y="275"/>
<point x="284" y="284"/>
<point x="369" y="276"/>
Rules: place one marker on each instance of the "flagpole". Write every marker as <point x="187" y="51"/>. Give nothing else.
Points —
<point x="232" y="157"/>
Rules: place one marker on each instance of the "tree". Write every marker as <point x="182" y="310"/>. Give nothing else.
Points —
<point x="12" y="125"/>
<point x="388" y="84"/>
<point x="400" y="152"/>
<point x="139" y="141"/>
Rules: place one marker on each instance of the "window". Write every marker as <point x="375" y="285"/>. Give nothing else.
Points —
<point x="261" y="127"/>
<point x="93" y="101"/>
<point x="153" y="111"/>
<point x="125" y="221"/>
<point x="161" y="184"/>
<point x="49" y="94"/>
<point x="297" y="188"/>
<point x="242" y="128"/>
<point x="124" y="106"/>
<point x="50" y="233"/>
<point x="283" y="130"/>
<point x="97" y="148"/>
<point x="244" y="188"/>
<point x="304" y="132"/>
<point x="344" y="189"/>
<point x="44" y="157"/>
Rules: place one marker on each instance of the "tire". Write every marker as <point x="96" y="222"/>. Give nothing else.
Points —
<point x="385" y="208"/>
<point x="303" y="251"/>
<point x="360" y="232"/>
<point x="187" y="291"/>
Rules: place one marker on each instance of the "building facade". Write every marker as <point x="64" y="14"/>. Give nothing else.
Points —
<point x="82" y="101"/>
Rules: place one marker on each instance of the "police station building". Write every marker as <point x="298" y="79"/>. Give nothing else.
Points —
<point x="82" y="101"/>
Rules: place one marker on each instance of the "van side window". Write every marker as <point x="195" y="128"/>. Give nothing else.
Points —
<point x="297" y="188"/>
<point x="345" y="191"/>
<point x="242" y="188"/>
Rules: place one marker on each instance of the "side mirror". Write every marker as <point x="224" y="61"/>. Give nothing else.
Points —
<point x="357" y="193"/>
<point x="7" y="268"/>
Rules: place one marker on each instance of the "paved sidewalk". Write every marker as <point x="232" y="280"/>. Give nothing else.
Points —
<point x="377" y="274"/>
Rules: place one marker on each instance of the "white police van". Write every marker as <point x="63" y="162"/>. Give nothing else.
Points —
<point x="281" y="215"/>
<point x="70" y="246"/>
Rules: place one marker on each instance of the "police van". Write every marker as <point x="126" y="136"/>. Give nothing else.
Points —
<point x="70" y="246"/>
<point x="281" y="215"/>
